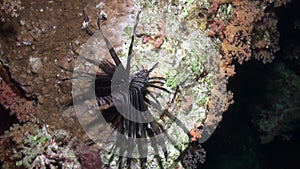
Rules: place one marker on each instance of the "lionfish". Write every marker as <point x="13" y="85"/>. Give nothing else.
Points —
<point x="124" y="100"/>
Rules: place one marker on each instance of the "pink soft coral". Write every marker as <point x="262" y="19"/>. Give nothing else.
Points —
<point x="18" y="106"/>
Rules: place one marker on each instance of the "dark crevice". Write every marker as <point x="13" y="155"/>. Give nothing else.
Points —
<point x="6" y="120"/>
<point x="7" y="29"/>
<point x="289" y="43"/>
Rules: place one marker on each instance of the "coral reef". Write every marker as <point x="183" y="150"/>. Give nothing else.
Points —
<point x="246" y="30"/>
